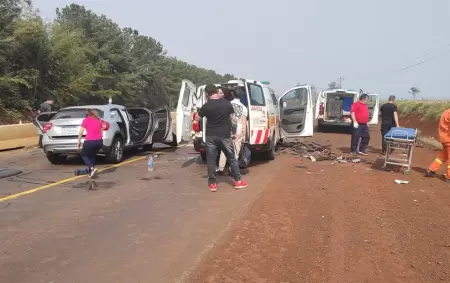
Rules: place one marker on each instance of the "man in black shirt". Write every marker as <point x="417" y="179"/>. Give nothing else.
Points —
<point x="389" y="119"/>
<point x="219" y="112"/>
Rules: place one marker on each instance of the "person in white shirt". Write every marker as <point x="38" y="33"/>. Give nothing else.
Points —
<point x="239" y="129"/>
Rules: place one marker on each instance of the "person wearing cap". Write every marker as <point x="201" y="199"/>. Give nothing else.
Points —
<point x="360" y="118"/>
<point x="444" y="139"/>
<point x="389" y="119"/>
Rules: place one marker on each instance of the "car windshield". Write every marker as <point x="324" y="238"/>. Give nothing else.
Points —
<point x="77" y="113"/>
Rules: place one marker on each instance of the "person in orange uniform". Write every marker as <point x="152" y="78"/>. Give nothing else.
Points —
<point x="444" y="139"/>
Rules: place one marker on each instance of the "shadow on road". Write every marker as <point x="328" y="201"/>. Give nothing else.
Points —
<point x="334" y="130"/>
<point x="98" y="185"/>
<point x="419" y="169"/>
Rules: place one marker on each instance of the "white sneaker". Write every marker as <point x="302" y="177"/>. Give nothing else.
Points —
<point x="92" y="172"/>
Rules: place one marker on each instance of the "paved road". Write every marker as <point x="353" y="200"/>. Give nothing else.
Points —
<point x="307" y="222"/>
<point x="324" y="222"/>
<point x="139" y="226"/>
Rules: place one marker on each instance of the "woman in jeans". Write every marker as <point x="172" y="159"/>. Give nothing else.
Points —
<point x="93" y="141"/>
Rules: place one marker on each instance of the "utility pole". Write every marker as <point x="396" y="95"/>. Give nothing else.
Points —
<point x="340" y="79"/>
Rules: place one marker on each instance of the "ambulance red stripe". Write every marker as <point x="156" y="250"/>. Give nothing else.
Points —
<point x="258" y="137"/>
<point x="266" y="136"/>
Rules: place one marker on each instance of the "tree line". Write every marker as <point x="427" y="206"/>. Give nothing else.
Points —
<point x="83" y="58"/>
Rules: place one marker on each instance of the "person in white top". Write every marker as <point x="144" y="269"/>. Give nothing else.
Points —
<point x="239" y="129"/>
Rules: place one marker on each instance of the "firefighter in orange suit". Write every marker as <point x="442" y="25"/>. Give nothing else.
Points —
<point x="444" y="139"/>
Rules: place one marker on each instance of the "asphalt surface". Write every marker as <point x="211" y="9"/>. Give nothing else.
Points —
<point x="138" y="226"/>
<point x="298" y="221"/>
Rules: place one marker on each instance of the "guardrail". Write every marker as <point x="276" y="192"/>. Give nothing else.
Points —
<point x="25" y="135"/>
<point x="17" y="136"/>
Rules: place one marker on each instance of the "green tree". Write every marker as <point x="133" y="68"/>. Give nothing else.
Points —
<point x="84" y="58"/>
<point x="333" y="85"/>
<point x="414" y="91"/>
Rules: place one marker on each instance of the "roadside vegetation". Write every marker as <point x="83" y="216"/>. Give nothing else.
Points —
<point x="430" y="110"/>
<point x="83" y="58"/>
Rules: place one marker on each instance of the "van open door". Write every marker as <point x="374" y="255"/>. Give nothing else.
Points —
<point x="374" y="108"/>
<point x="320" y="105"/>
<point x="296" y="112"/>
<point x="41" y="119"/>
<point x="184" y="111"/>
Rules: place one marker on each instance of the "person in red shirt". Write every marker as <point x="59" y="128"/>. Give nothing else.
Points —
<point x="360" y="133"/>
<point x="93" y="141"/>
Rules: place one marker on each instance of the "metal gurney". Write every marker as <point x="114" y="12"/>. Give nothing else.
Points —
<point x="402" y="140"/>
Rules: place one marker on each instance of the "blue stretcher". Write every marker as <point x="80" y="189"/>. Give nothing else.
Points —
<point x="403" y="141"/>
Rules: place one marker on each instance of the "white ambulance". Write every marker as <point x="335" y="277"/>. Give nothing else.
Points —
<point x="270" y="120"/>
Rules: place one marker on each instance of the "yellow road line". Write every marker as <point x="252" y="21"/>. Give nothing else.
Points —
<point x="75" y="177"/>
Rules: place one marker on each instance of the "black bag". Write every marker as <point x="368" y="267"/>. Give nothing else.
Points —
<point x="244" y="156"/>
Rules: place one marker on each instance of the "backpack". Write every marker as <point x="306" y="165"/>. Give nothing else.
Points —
<point x="244" y="156"/>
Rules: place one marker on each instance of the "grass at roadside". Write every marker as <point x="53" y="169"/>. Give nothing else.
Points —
<point x="426" y="110"/>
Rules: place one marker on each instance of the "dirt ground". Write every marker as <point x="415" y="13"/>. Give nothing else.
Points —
<point x="325" y="222"/>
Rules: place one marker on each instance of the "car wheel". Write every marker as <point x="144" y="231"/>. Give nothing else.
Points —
<point x="203" y="156"/>
<point x="56" y="158"/>
<point x="270" y="155"/>
<point x="115" y="154"/>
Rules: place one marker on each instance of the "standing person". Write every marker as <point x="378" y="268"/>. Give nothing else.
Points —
<point x="45" y="107"/>
<point x="219" y="113"/>
<point x="389" y="119"/>
<point x="444" y="139"/>
<point x="93" y="141"/>
<point x="360" y="133"/>
<point x="240" y="128"/>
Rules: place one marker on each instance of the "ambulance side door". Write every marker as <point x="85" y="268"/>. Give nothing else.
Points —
<point x="374" y="108"/>
<point x="296" y="112"/>
<point x="184" y="111"/>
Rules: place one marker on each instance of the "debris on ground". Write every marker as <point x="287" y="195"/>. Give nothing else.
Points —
<point x="315" y="152"/>
<point x="401" y="182"/>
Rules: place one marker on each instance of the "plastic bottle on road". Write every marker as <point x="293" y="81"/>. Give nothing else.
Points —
<point x="151" y="163"/>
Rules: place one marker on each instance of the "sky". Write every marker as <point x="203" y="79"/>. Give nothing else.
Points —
<point x="296" y="41"/>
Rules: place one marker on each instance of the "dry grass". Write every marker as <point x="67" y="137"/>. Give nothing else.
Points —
<point x="429" y="110"/>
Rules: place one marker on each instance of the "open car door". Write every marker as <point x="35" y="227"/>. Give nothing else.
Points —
<point x="184" y="111"/>
<point x="374" y="108"/>
<point x="141" y="124"/>
<point x="164" y="127"/>
<point x="41" y="119"/>
<point x="296" y="112"/>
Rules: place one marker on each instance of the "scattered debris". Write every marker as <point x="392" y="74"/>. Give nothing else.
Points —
<point x="316" y="152"/>
<point x="301" y="166"/>
<point x="401" y="182"/>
